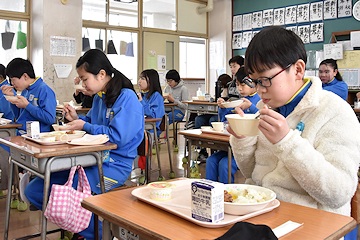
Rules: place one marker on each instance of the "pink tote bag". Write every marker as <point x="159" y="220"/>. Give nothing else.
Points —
<point x="64" y="207"/>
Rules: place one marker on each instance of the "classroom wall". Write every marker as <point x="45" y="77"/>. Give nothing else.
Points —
<point x="334" y="25"/>
<point x="52" y="18"/>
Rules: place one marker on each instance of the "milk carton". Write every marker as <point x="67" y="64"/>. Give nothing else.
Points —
<point x="207" y="200"/>
<point x="33" y="129"/>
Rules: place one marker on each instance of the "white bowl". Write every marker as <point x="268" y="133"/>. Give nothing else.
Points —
<point x="232" y="104"/>
<point x="246" y="126"/>
<point x="10" y="97"/>
<point x="246" y="208"/>
<point x="79" y="86"/>
<point x="218" y="126"/>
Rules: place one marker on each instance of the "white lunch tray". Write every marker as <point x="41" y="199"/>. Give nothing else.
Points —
<point x="180" y="204"/>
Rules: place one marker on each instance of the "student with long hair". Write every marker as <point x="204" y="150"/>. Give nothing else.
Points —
<point x="150" y="96"/>
<point x="116" y="112"/>
<point x="331" y="78"/>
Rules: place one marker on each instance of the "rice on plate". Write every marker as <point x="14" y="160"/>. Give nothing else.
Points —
<point x="247" y="198"/>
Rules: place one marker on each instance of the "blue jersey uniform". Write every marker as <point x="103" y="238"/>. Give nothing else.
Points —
<point x="154" y="106"/>
<point x="5" y="104"/>
<point x="254" y="98"/>
<point x="340" y="88"/>
<point x="41" y="107"/>
<point x="123" y="123"/>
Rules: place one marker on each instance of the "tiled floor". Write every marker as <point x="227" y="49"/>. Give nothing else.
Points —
<point x="29" y="222"/>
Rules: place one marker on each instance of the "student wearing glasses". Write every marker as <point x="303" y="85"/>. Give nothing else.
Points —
<point x="308" y="153"/>
<point x="177" y="92"/>
<point x="331" y="78"/>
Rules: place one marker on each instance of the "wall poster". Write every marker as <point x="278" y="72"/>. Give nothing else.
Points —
<point x="330" y="9"/>
<point x="303" y="13"/>
<point x="279" y="16"/>
<point x="317" y="32"/>
<point x="316" y="11"/>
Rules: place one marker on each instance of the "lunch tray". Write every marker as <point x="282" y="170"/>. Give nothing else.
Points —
<point x="212" y="131"/>
<point x="180" y="204"/>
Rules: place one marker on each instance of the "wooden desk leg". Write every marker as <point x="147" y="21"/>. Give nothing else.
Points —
<point x="229" y="164"/>
<point x="8" y="200"/>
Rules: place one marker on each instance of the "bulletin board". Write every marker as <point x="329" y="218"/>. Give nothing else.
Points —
<point x="351" y="59"/>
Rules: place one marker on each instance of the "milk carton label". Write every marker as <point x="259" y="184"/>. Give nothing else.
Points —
<point x="33" y="129"/>
<point x="207" y="201"/>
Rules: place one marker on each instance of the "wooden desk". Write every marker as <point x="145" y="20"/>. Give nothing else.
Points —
<point x="125" y="210"/>
<point x="172" y="107"/>
<point x="207" y="140"/>
<point x="200" y="107"/>
<point x="9" y="130"/>
<point x="42" y="160"/>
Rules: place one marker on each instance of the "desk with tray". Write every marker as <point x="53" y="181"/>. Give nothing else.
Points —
<point x="42" y="160"/>
<point x="150" y="221"/>
<point x="9" y="129"/>
<point x="207" y="139"/>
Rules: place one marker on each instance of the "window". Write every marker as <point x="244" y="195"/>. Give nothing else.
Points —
<point x="94" y="10"/>
<point x="159" y="14"/>
<point x="123" y="13"/>
<point x="121" y="48"/>
<point x="13" y="5"/>
<point x="192" y="57"/>
<point x="14" y="44"/>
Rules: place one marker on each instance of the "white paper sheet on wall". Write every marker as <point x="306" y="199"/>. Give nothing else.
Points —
<point x="62" y="46"/>
<point x="334" y="51"/>
<point x="63" y="70"/>
<point x="355" y="38"/>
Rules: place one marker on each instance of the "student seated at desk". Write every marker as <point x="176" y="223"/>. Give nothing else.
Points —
<point x="150" y="96"/>
<point x="217" y="163"/>
<point x="82" y="96"/>
<point x="116" y="112"/>
<point x="308" y="153"/>
<point x="8" y="114"/>
<point x="5" y="104"/>
<point x="331" y="79"/>
<point x="178" y="92"/>
<point x="37" y="101"/>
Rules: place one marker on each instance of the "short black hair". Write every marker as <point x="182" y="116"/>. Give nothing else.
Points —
<point x="237" y="59"/>
<point x="224" y="79"/>
<point x="18" y="66"/>
<point x="333" y="64"/>
<point x="2" y="71"/>
<point x="240" y="75"/>
<point x="173" y="74"/>
<point x="273" y="46"/>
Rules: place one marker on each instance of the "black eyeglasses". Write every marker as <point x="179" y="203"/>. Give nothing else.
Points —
<point x="262" y="81"/>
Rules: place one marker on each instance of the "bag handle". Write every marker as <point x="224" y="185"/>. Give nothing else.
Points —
<point x="83" y="183"/>
<point x="19" y="26"/>
<point x="7" y="26"/>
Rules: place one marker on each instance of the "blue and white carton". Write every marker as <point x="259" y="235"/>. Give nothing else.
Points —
<point x="207" y="200"/>
<point x="33" y="129"/>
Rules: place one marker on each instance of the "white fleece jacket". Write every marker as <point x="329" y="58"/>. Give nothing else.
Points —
<point x="317" y="168"/>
